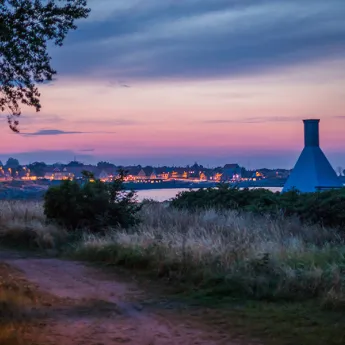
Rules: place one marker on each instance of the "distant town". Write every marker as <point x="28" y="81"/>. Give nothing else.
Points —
<point x="106" y="171"/>
<point x="12" y="170"/>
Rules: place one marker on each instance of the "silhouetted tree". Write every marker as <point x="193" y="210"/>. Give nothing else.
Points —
<point x="87" y="175"/>
<point x="26" y="26"/>
<point x="37" y="168"/>
<point x="75" y="164"/>
<point x="104" y="165"/>
<point x="12" y="163"/>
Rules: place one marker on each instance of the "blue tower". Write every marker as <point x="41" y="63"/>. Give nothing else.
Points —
<point x="312" y="172"/>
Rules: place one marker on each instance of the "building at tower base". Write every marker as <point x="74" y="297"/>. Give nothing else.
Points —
<point x="312" y="172"/>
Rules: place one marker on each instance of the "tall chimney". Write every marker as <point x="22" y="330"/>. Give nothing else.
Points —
<point x="312" y="171"/>
<point x="311" y="133"/>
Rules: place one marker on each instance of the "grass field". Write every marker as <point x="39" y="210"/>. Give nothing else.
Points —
<point x="282" y="273"/>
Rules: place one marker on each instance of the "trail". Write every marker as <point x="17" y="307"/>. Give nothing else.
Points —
<point x="100" y="308"/>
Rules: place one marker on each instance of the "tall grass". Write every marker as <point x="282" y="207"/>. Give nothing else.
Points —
<point x="23" y="224"/>
<point x="228" y="253"/>
<point x="16" y="301"/>
<point x="225" y="253"/>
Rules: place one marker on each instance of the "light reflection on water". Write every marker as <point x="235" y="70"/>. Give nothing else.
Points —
<point x="166" y="194"/>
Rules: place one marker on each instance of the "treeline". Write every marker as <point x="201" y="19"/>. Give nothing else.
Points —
<point x="326" y="208"/>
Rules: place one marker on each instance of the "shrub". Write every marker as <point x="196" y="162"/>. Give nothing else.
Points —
<point x="91" y="204"/>
<point x="326" y="208"/>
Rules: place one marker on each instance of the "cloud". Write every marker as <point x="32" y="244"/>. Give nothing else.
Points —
<point x="119" y="83"/>
<point x="51" y="132"/>
<point x="232" y="95"/>
<point x="253" y="120"/>
<point x="50" y="156"/>
<point x="57" y="132"/>
<point x="87" y="150"/>
<point x="155" y="39"/>
<point x="109" y="122"/>
<point x="40" y="117"/>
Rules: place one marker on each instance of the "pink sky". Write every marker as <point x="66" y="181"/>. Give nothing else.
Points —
<point x="252" y="119"/>
<point x="174" y="82"/>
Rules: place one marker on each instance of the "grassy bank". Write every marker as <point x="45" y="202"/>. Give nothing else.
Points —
<point x="283" y="274"/>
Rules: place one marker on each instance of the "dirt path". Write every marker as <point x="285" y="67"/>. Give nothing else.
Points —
<point x="102" y="309"/>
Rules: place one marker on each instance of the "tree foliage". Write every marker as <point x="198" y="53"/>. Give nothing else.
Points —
<point x="91" y="204"/>
<point x="74" y="164"/>
<point x="37" y="168"/>
<point x="12" y="163"/>
<point x="325" y="208"/>
<point x="105" y="165"/>
<point x="26" y="27"/>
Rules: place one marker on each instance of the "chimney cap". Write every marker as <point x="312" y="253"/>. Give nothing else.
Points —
<point x="311" y="120"/>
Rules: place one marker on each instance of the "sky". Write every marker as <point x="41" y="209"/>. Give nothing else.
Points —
<point x="171" y="82"/>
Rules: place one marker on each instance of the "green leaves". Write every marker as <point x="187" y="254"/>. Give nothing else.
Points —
<point x="326" y="208"/>
<point x="26" y="26"/>
<point x="93" y="205"/>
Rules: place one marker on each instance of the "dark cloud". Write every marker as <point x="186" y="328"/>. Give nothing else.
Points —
<point x="196" y="38"/>
<point x="51" y="132"/>
<point x="57" y="132"/>
<point x="49" y="156"/>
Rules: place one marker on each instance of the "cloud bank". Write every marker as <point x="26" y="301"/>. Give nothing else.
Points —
<point x="155" y="39"/>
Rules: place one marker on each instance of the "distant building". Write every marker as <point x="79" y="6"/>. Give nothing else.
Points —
<point x="58" y="174"/>
<point x="147" y="173"/>
<point x="5" y="175"/>
<point x="231" y="172"/>
<point x="180" y="174"/>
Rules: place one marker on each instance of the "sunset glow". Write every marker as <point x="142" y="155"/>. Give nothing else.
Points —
<point x="120" y="106"/>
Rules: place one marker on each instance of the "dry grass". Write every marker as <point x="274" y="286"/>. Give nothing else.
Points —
<point x="209" y="255"/>
<point x="227" y="253"/>
<point x="16" y="300"/>
<point x="23" y="224"/>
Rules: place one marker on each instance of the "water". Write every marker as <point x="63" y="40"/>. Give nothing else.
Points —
<point x="166" y="194"/>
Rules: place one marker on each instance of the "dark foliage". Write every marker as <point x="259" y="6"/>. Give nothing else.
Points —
<point x="326" y="208"/>
<point x="37" y="168"/>
<point x="74" y="164"/>
<point x="12" y="163"/>
<point x="91" y="204"/>
<point x="26" y="27"/>
<point x="105" y="165"/>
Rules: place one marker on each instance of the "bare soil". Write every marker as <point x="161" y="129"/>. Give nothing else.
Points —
<point x="89" y="306"/>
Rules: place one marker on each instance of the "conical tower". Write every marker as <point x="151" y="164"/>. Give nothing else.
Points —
<point x="312" y="171"/>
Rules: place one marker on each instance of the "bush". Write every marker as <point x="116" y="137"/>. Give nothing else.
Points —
<point x="91" y="204"/>
<point x="326" y="208"/>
